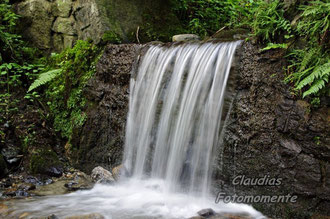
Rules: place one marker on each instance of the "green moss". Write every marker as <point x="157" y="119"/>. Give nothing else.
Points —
<point x="111" y="37"/>
<point x="41" y="160"/>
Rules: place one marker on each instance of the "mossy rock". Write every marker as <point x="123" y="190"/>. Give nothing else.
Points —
<point x="111" y="37"/>
<point x="46" y="162"/>
<point x="3" y="167"/>
<point x="231" y="34"/>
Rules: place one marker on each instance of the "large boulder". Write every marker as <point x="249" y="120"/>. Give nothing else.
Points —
<point x="65" y="26"/>
<point x="37" y="20"/>
<point x="101" y="175"/>
<point x="62" y="8"/>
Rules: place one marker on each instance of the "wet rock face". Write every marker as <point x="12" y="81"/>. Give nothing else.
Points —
<point x="100" y="141"/>
<point x="270" y="132"/>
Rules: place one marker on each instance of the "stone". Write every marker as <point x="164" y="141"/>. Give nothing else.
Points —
<point x="37" y="21"/>
<point x="117" y="171"/>
<point x="80" y="182"/>
<point x="3" y="167"/>
<point x="54" y="171"/>
<point x="91" y="22"/>
<point x="26" y="186"/>
<point x="62" y="8"/>
<point x="87" y="216"/>
<point x="208" y="212"/>
<point x="185" y="38"/>
<point x="56" y="188"/>
<point x="291" y="145"/>
<point x="11" y="154"/>
<point x="230" y="35"/>
<point x="46" y="162"/>
<point x="101" y="175"/>
<point x="69" y="41"/>
<point x="58" y="42"/>
<point x="53" y="216"/>
<point x="65" y="26"/>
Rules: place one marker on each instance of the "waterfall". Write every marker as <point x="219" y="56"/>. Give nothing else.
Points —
<point x="175" y="108"/>
<point x="173" y="128"/>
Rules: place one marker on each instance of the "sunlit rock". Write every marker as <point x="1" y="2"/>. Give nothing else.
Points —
<point x="101" y="175"/>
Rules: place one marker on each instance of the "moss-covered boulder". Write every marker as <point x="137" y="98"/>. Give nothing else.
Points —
<point x="45" y="161"/>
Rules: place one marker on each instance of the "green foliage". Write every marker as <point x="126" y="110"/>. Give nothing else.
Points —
<point x="315" y="19"/>
<point x="9" y="40"/>
<point x="311" y="65"/>
<point x="65" y="93"/>
<point x="309" y="68"/>
<point x="16" y="70"/>
<point x="44" y="78"/>
<point x="158" y="26"/>
<point x="206" y="17"/>
<point x="111" y="37"/>
<point x="316" y="102"/>
<point x="312" y="70"/>
<point x="267" y="20"/>
<point x="317" y="79"/>
<point x="275" y="46"/>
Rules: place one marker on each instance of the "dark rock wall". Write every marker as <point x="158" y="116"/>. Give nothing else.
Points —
<point x="101" y="139"/>
<point x="271" y="132"/>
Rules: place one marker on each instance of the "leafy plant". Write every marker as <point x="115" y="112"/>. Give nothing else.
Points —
<point x="275" y="46"/>
<point x="44" y="78"/>
<point x="311" y="66"/>
<point x="267" y="21"/>
<point x="206" y="17"/>
<point x="317" y="79"/>
<point x="10" y="42"/>
<point x="74" y="67"/>
<point x="315" y="19"/>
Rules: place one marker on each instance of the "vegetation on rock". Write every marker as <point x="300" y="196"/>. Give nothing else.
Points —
<point x="64" y="95"/>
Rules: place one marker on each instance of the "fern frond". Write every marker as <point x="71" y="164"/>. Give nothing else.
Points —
<point x="322" y="72"/>
<point x="275" y="46"/>
<point x="316" y="87"/>
<point x="44" y="78"/>
<point x="307" y="59"/>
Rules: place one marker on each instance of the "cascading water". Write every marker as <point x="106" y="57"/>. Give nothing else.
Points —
<point x="174" y="120"/>
<point x="173" y="129"/>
